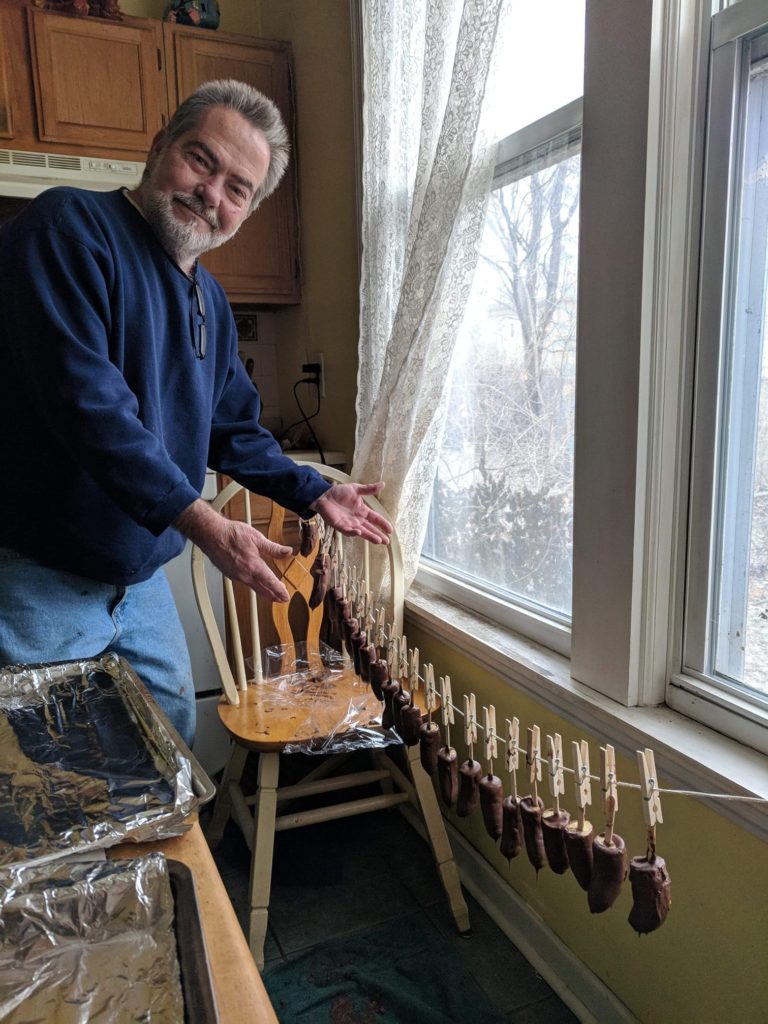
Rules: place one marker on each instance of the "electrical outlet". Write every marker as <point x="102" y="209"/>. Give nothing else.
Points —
<point x="317" y="357"/>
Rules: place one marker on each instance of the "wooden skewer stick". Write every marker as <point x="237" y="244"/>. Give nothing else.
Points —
<point x="581" y="781"/>
<point x="513" y="753"/>
<point x="533" y="761"/>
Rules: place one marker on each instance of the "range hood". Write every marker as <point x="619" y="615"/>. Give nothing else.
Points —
<point x="27" y="174"/>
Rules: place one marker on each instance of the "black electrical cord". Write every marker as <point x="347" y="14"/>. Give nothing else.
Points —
<point x="304" y="418"/>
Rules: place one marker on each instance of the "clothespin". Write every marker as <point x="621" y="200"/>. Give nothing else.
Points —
<point x="335" y="570"/>
<point x="489" y="724"/>
<point x="429" y="689"/>
<point x="649" y="786"/>
<point x="555" y="768"/>
<point x="363" y="592"/>
<point x="470" y="723"/>
<point x="581" y="781"/>
<point x="370" y="618"/>
<point x="533" y="761"/>
<point x="413" y="675"/>
<point x="344" y="581"/>
<point x="609" y="789"/>
<point x="402" y="669"/>
<point x="447" y="706"/>
<point x="513" y="752"/>
<point x="381" y="633"/>
<point x="393" y="656"/>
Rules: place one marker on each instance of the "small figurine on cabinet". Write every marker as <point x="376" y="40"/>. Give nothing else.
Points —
<point x="77" y="7"/>
<point x="202" y="13"/>
<point x="105" y="9"/>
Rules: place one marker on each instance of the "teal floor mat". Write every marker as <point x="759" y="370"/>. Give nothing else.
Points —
<point x="401" y="972"/>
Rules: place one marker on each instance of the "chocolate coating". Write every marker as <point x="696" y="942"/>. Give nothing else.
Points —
<point x="410" y="725"/>
<point x="390" y="689"/>
<point x="553" y="827"/>
<point x="579" y="847"/>
<point x="469" y="787"/>
<point x="491" y="800"/>
<point x="448" y="775"/>
<point x="609" y="869"/>
<point x="379" y="676"/>
<point x="651" y="894"/>
<point x="530" y="815"/>
<point x="512" y="828"/>
<point x="429" y="744"/>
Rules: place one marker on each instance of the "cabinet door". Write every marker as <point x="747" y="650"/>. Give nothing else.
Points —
<point x="260" y="264"/>
<point x="98" y="83"/>
<point x="6" y="81"/>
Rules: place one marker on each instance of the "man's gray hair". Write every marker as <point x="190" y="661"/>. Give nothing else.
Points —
<point x="251" y="104"/>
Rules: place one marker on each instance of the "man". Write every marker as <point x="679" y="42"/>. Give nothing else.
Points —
<point x="120" y="383"/>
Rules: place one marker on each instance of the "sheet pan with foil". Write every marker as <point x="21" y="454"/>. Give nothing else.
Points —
<point x="87" y="760"/>
<point x="109" y="940"/>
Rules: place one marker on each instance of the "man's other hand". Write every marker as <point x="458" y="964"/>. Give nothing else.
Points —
<point x="343" y="508"/>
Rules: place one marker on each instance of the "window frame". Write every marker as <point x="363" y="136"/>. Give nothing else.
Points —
<point x="560" y="129"/>
<point x="729" y="707"/>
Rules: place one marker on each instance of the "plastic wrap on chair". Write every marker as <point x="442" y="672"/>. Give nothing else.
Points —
<point x="331" y="710"/>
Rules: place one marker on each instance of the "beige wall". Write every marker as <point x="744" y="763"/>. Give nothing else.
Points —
<point x="706" y="964"/>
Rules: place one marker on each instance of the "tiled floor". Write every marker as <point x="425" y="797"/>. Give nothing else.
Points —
<point x="354" y="874"/>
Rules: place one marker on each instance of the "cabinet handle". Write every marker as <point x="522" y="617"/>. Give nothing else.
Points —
<point x="159" y="59"/>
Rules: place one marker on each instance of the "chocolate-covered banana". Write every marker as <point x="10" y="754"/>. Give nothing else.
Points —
<point x="402" y="700"/>
<point x="410" y="724"/>
<point x="379" y="676"/>
<point x="609" y="869"/>
<point x="367" y="657"/>
<point x="491" y="800"/>
<point x="321" y="572"/>
<point x="390" y="689"/>
<point x="512" y="828"/>
<point x="429" y="745"/>
<point x="348" y="628"/>
<point x="358" y="640"/>
<point x="530" y="815"/>
<point x="448" y="775"/>
<point x="578" y="843"/>
<point x="651" y="893"/>
<point x="553" y="825"/>
<point x="469" y="787"/>
<point x="307" y="536"/>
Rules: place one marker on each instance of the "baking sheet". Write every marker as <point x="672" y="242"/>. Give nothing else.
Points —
<point x="83" y="942"/>
<point x="88" y="760"/>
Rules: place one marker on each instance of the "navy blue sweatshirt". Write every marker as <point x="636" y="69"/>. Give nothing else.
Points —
<point x="108" y="417"/>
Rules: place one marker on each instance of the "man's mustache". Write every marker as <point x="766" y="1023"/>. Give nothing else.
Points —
<point x="196" y="205"/>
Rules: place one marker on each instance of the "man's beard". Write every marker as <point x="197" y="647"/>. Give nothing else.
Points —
<point x="184" y="242"/>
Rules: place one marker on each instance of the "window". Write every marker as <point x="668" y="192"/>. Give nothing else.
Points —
<point x="500" y="523"/>
<point x="726" y="626"/>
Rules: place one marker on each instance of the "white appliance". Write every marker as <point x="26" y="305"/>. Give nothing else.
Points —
<point x="25" y="174"/>
<point x="211" y="745"/>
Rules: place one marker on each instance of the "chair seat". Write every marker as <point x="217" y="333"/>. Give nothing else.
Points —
<point x="279" y="712"/>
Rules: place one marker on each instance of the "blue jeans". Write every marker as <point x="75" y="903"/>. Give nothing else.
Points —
<point x="47" y="615"/>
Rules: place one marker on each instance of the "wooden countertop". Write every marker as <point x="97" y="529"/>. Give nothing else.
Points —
<point x="239" y="990"/>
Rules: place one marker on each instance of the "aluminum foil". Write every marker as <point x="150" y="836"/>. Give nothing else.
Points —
<point x="81" y="942"/>
<point x="305" y="685"/>
<point x="86" y="760"/>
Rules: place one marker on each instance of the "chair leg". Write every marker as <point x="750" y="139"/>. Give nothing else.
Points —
<point x="222" y="807"/>
<point x="438" y="840"/>
<point x="265" y="811"/>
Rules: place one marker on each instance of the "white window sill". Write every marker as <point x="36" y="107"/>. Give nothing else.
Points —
<point x="689" y="756"/>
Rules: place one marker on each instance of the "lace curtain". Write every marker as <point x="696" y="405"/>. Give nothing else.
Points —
<point x="427" y="169"/>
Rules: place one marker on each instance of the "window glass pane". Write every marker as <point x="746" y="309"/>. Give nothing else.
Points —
<point x="543" y="63"/>
<point x="502" y="505"/>
<point x="740" y="648"/>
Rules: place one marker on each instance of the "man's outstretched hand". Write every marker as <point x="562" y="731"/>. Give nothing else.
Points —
<point x="236" y="549"/>
<point x="343" y="508"/>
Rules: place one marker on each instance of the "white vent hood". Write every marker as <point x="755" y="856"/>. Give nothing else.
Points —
<point x="27" y="174"/>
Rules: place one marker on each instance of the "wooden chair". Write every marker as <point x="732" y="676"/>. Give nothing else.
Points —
<point x="258" y="718"/>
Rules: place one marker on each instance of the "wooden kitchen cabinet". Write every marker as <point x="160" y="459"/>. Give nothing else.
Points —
<point x="97" y="82"/>
<point x="261" y="263"/>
